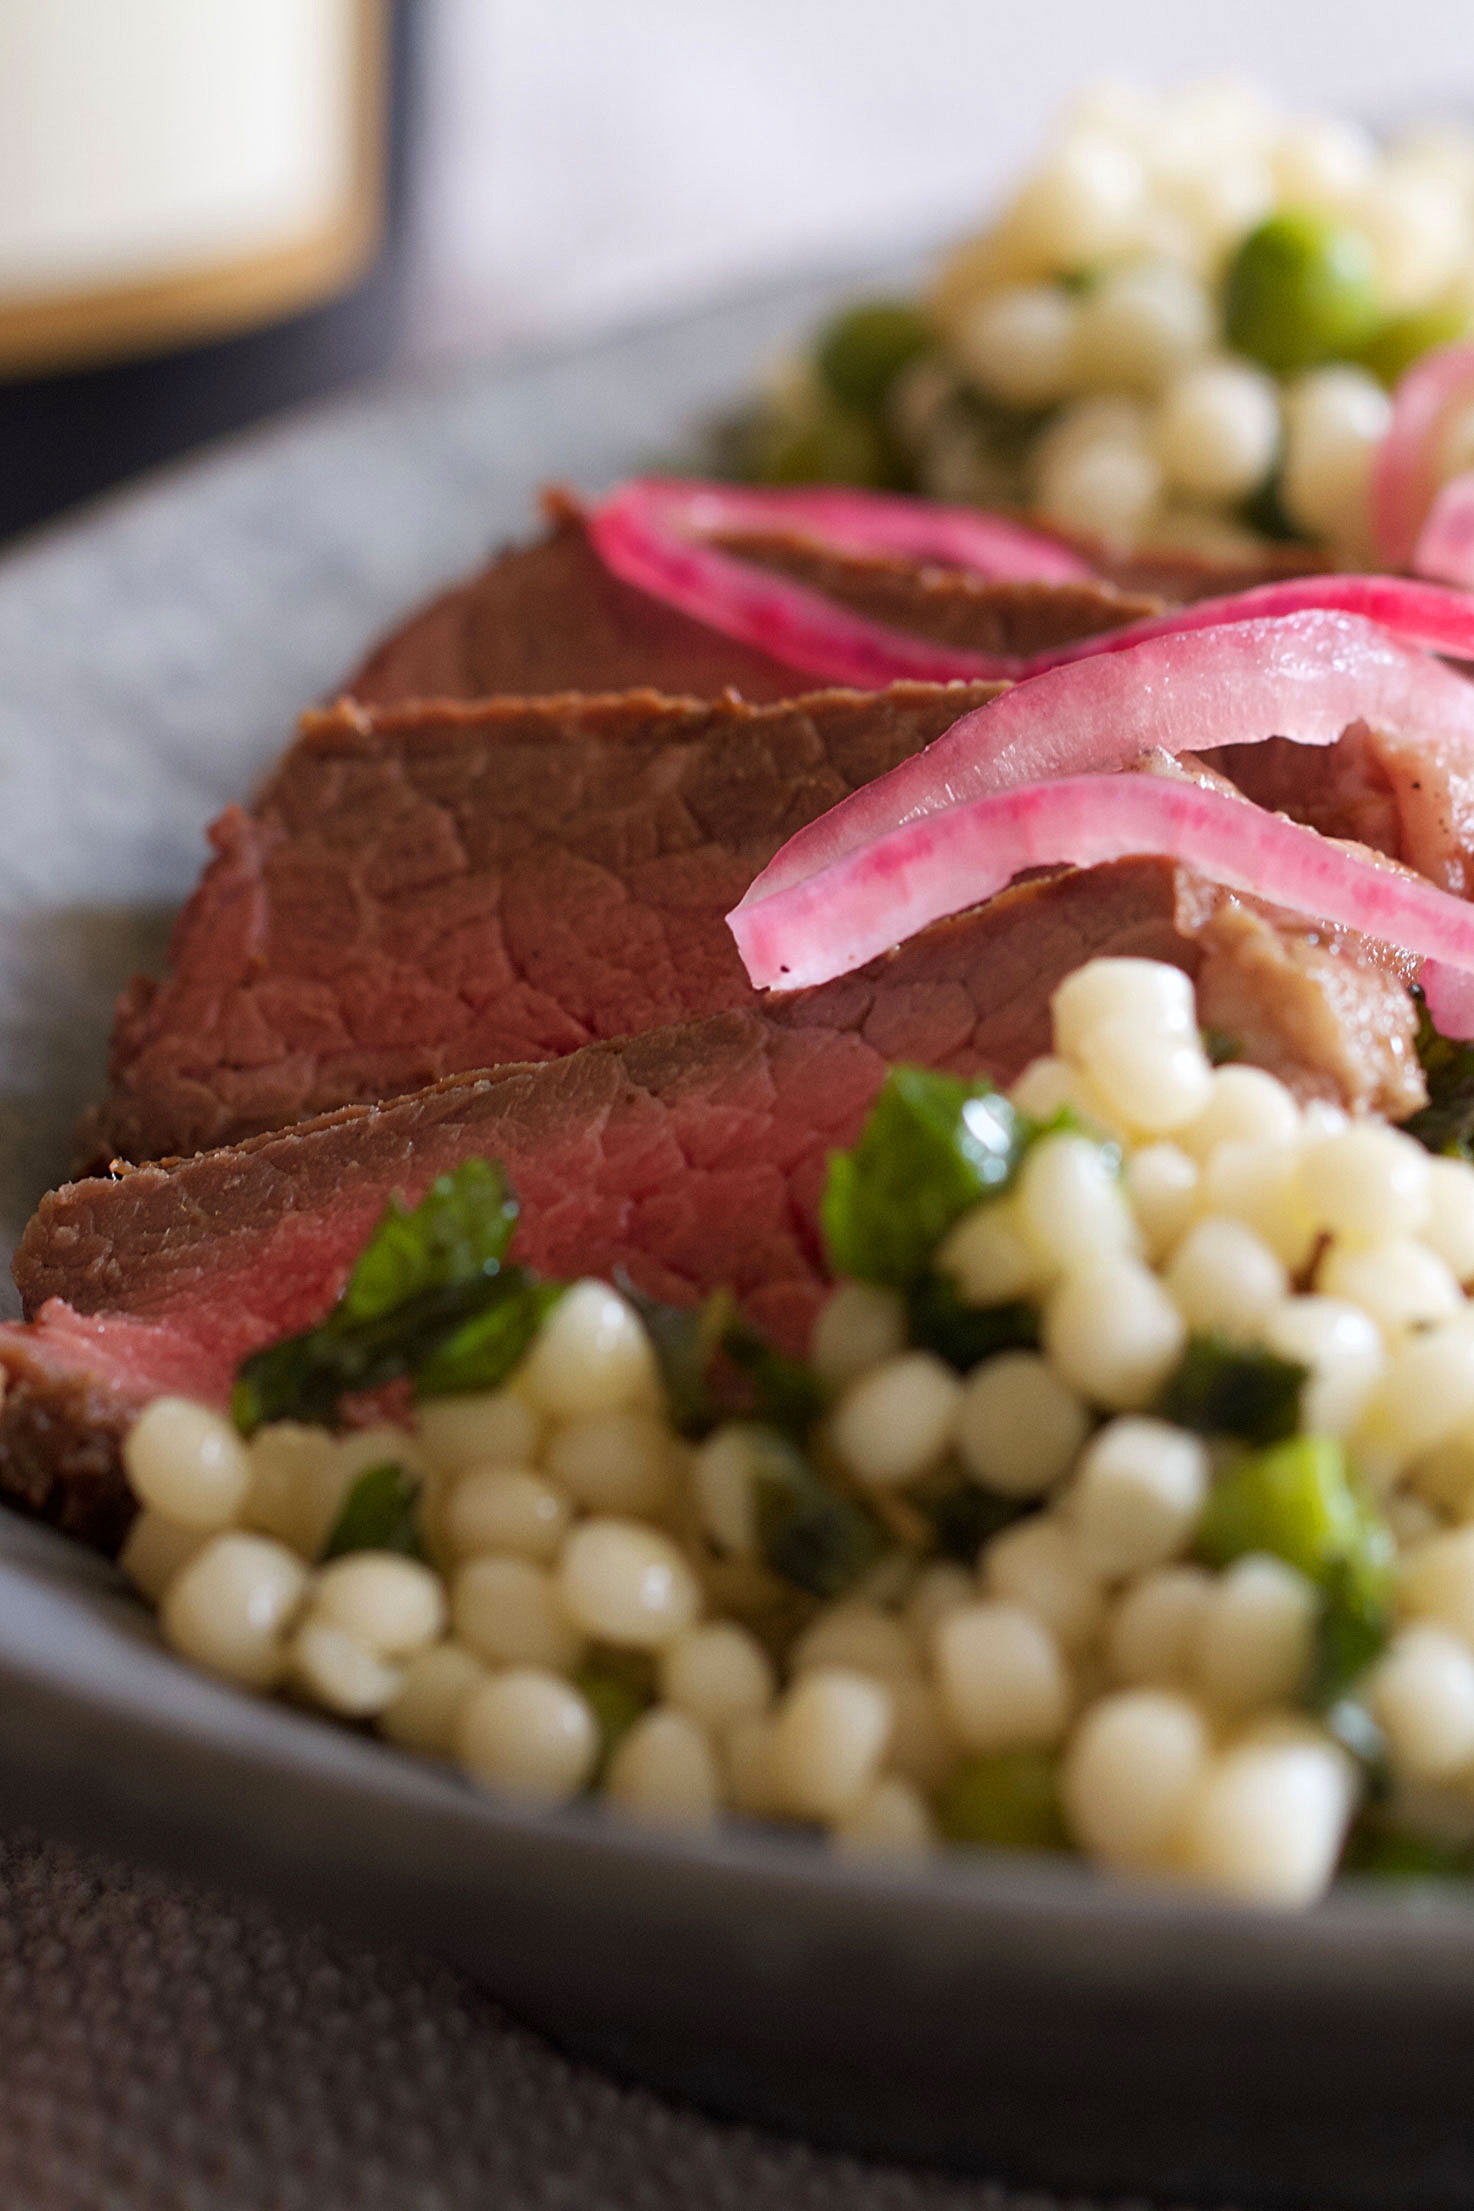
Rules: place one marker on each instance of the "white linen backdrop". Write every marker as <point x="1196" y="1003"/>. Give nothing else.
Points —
<point x="588" y="161"/>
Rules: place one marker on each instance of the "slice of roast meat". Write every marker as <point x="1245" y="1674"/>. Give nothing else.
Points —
<point x="691" y="1156"/>
<point x="426" y="889"/>
<point x="1178" y="576"/>
<point x="1412" y="800"/>
<point x="550" y="617"/>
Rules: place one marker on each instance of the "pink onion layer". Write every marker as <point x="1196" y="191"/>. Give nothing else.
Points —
<point x="1418" y="612"/>
<point x="651" y="534"/>
<point x="883" y="892"/>
<point x="1300" y="676"/>
<point x="1406" y="475"/>
<point x="856" y="521"/>
<point x="1445" y="544"/>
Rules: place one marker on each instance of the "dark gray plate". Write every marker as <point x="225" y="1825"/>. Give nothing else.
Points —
<point x="991" y="2014"/>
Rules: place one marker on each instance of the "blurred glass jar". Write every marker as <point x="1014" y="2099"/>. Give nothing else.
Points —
<point x="201" y="211"/>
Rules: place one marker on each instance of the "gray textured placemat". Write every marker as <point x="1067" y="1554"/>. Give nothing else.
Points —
<point x="162" y="2049"/>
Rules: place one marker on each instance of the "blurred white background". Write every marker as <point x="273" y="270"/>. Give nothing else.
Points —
<point x="584" y="162"/>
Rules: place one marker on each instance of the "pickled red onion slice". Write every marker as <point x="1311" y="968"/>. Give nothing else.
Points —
<point x="855" y="521"/>
<point x="884" y="891"/>
<point x="1417" y="611"/>
<point x="1301" y="676"/>
<point x="652" y="536"/>
<point x="786" y="620"/>
<point x="1405" y="478"/>
<point x="1445" y="544"/>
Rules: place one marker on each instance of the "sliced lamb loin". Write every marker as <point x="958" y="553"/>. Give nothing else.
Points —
<point x="690" y="1156"/>
<point x="550" y="617"/>
<point x="427" y="889"/>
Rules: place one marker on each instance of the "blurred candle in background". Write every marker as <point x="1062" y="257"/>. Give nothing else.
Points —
<point x="201" y="219"/>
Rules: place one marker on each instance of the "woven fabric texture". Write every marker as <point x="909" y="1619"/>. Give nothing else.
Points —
<point x="162" y="2049"/>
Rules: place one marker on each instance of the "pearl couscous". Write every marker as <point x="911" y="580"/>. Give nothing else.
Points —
<point x="1125" y="1506"/>
<point x="1182" y="329"/>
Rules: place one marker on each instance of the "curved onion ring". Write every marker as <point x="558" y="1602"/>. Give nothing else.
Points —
<point x="1445" y="544"/>
<point x="1418" y="612"/>
<point x="856" y="521"/>
<point x="883" y="892"/>
<point x="1404" y="480"/>
<point x="650" y="536"/>
<point x="1301" y="676"/>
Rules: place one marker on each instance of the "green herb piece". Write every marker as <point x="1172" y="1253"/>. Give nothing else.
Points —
<point x="1302" y="288"/>
<point x="864" y="348"/>
<point x="380" y="1513"/>
<point x="786" y="1393"/>
<point x="1294" y="1501"/>
<point x="430" y="1298"/>
<point x="829" y="444"/>
<point x="458" y="1233"/>
<point x="1356" y="1616"/>
<point x="1008" y="1800"/>
<point x="1297" y="1502"/>
<point x="1446" y="1123"/>
<point x="1386" y="1853"/>
<point x="932" y="1147"/>
<point x="1264" y="511"/>
<point x="618" y="1687"/>
<point x="964" y="1335"/>
<point x="715" y="1366"/>
<point x="1220" y="1388"/>
<point x="1396" y="344"/>
<point x="482" y="1352"/>
<point x="686" y="1340"/>
<point x="1221" y="1048"/>
<point x="809" y="1533"/>
<point x="964" y="1516"/>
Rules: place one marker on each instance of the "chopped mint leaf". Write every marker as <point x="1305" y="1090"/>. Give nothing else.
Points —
<point x="430" y="1298"/>
<point x="458" y="1233"/>
<point x="1219" y="1388"/>
<point x="716" y="1366"/>
<point x="686" y="1340"/>
<point x="937" y="1319"/>
<point x="785" y="1392"/>
<point x="810" y="1533"/>
<point x="1297" y="1502"/>
<point x="1356" y="1616"/>
<point x="1004" y="1800"/>
<point x="964" y="1516"/>
<point x="932" y="1147"/>
<point x="380" y="1513"/>
<point x="1387" y="1853"/>
<point x="483" y="1350"/>
<point x="1446" y="1123"/>
<point x="1220" y="1047"/>
<point x="618" y="1687"/>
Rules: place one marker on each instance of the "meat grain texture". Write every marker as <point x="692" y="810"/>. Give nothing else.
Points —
<point x="427" y="899"/>
<point x="690" y="1157"/>
<point x="550" y="617"/>
<point x="426" y="890"/>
